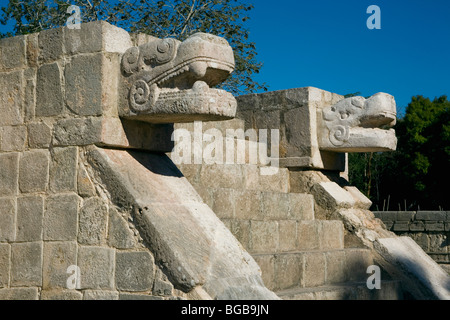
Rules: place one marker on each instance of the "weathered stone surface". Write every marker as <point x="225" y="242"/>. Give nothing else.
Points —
<point x="419" y="273"/>
<point x="434" y="226"/>
<point x="134" y="271"/>
<point x="314" y="272"/>
<point x="226" y="176"/>
<point x="431" y="215"/>
<point x="224" y="202"/>
<point x="34" y="171"/>
<point x="51" y="44"/>
<point x="332" y="234"/>
<point x="248" y="204"/>
<point x="275" y="183"/>
<point x="32" y="50"/>
<point x="26" y="264"/>
<point x="13" y="138"/>
<point x="289" y="270"/>
<point x="401" y="226"/>
<point x="49" y="97"/>
<point x="12" y="52"/>
<point x="120" y="235"/>
<point x="438" y="243"/>
<point x="7" y="219"/>
<point x="335" y="267"/>
<point x="96" y="36"/>
<point x="161" y="286"/>
<point x="19" y="294"/>
<point x="100" y="295"/>
<point x="9" y="173"/>
<point x="30" y="100"/>
<point x="93" y="222"/>
<point x="132" y="296"/>
<point x="127" y="134"/>
<point x="407" y="216"/>
<point x="356" y="263"/>
<point x="77" y="131"/>
<point x="332" y="195"/>
<point x="267" y="265"/>
<point x="84" y="183"/>
<point x="61" y="217"/>
<point x="264" y="236"/>
<point x="417" y="226"/>
<point x="308" y="237"/>
<point x="61" y="295"/>
<point x="275" y="206"/>
<point x="288" y="235"/>
<point x="30" y="213"/>
<point x="84" y="85"/>
<point x="361" y="201"/>
<point x="301" y="206"/>
<point x="39" y="135"/>
<point x="58" y="257"/>
<point x="86" y="39"/>
<point x="97" y="267"/>
<point x="63" y="169"/>
<point x="5" y="256"/>
<point x="11" y="98"/>
<point x="241" y="230"/>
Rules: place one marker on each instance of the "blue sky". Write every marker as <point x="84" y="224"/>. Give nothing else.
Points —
<point x="326" y="44"/>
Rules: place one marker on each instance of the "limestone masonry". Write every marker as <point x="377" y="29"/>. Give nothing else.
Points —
<point x="92" y="206"/>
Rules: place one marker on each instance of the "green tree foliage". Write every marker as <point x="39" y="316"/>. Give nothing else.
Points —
<point x="416" y="175"/>
<point x="170" y="18"/>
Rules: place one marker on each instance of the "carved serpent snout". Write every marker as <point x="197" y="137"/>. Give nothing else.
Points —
<point x="357" y="117"/>
<point x="170" y="81"/>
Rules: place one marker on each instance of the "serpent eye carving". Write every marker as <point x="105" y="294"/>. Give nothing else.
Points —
<point x="130" y="60"/>
<point x="345" y="115"/>
<point x="159" y="52"/>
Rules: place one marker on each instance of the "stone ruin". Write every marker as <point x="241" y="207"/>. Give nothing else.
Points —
<point x="93" y="207"/>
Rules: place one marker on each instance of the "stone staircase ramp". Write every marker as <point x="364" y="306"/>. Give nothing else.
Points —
<point x="300" y="257"/>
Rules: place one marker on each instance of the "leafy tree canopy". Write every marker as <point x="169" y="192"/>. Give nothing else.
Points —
<point x="169" y="18"/>
<point x="416" y="175"/>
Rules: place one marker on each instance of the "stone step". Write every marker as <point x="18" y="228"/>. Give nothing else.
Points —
<point x="222" y="126"/>
<point x="236" y="145"/>
<point x="279" y="236"/>
<point x="390" y="290"/>
<point x="235" y="176"/>
<point x="281" y="271"/>
<point x="257" y="205"/>
<point x="227" y="150"/>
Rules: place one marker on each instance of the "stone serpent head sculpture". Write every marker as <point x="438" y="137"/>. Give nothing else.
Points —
<point x="167" y="81"/>
<point x="357" y="124"/>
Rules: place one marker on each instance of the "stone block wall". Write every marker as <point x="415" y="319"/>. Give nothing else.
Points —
<point x="52" y="217"/>
<point x="57" y="92"/>
<point x="430" y="229"/>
